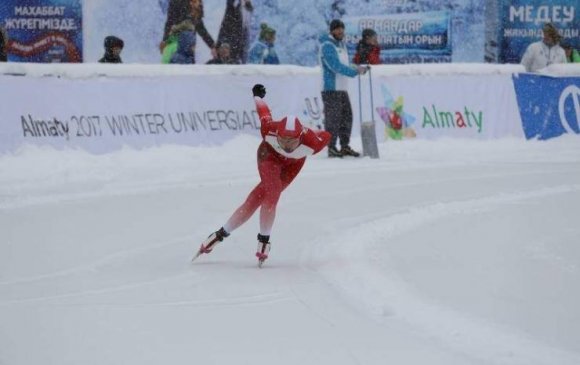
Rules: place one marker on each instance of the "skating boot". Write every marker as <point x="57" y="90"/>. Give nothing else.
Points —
<point x="263" y="249"/>
<point x="208" y="245"/>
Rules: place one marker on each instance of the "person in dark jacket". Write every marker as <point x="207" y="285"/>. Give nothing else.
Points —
<point x="3" y="45"/>
<point x="224" y="56"/>
<point x="113" y="48"/>
<point x="367" y="50"/>
<point x="185" y="46"/>
<point x="235" y="28"/>
<point x="180" y="10"/>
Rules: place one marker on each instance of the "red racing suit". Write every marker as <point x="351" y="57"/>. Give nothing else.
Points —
<point x="277" y="169"/>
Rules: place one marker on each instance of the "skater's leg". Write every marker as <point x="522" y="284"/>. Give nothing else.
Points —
<point x="276" y="177"/>
<point x="269" y="169"/>
<point x="270" y="172"/>
<point x="290" y="170"/>
<point x="246" y="210"/>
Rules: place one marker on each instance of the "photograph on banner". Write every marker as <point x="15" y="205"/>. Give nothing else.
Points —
<point x="410" y="107"/>
<point x="549" y="106"/>
<point x="405" y="38"/>
<point x="511" y="26"/>
<point x="43" y="31"/>
<point x="298" y="25"/>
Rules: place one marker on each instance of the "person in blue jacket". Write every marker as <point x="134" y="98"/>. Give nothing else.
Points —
<point x="336" y="68"/>
<point x="185" y="53"/>
<point x="263" y="52"/>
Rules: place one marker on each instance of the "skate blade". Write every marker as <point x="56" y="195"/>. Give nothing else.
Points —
<point x="196" y="256"/>
<point x="199" y="252"/>
<point x="261" y="263"/>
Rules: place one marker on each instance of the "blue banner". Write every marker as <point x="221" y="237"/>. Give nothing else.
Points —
<point x="43" y="30"/>
<point x="405" y="38"/>
<point x="549" y="106"/>
<point x="521" y="21"/>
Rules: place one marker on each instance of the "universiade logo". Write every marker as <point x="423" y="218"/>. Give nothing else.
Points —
<point x="571" y="92"/>
<point x="312" y="112"/>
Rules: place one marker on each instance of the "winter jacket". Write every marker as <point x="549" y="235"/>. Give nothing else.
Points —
<point x="367" y="54"/>
<point x="171" y="42"/>
<point x="169" y="49"/>
<point x="110" y="43"/>
<point x="3" y="45"/>
<point x="263" y="53"/>
<point x="180" y="10"/>
<point x="334" y="62"/>
<point x="233" y="30"/>
<point x="185" y="44"/>
<point x="538" y="55"/>
<point x="574" y="57"/>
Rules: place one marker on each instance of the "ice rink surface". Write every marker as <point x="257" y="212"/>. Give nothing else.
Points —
<point x="441" y="252"/>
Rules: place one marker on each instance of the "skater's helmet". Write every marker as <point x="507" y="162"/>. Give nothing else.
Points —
<point x="290" y="127"/>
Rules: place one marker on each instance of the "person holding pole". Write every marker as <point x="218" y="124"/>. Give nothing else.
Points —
<point x="337" y="108"/>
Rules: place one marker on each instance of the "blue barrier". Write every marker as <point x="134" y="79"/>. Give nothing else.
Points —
<point x="549" y="106"/>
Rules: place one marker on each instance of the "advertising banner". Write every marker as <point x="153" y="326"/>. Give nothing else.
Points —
<point x="405" y="38"/>
<point x="456" y="106"/>
<point x="513" y="25"/>
<point x="410" y="31"/>
<point x="43" y="30"/>
<point x="549" y="106"/>
<point x="101" y="115"/>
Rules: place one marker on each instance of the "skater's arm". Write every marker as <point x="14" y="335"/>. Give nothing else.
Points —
<point x="316" y="140"/>
<point x="263" y="111"/>
<point x="259" y="91"/>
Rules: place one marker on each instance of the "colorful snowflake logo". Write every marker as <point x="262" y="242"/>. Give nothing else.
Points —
<point x="397" y="122"/>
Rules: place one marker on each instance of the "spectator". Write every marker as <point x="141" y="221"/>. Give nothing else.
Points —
<point x="3" y="45"/>
<point x="337" y="108"/>
<point x="545" y="52"/>
<point x="572" y="55"/>
<point x="235" y="28"/>
<point x="223" y="56"/>
<point x="113" y="48"/>
<point x="367" y="50"/>
<point x="185" y="48"/>
<point x="171" y="43"/>
<point x="180" y="10"/>
<point x="263" y="51"/>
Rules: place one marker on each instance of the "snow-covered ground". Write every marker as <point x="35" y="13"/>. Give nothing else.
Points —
<point x="440" y="253"/>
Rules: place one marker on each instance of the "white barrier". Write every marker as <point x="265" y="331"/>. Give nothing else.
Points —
<point x="103" y="107"/>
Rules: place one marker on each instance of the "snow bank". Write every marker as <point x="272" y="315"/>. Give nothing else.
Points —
<point x="88" y="70"/>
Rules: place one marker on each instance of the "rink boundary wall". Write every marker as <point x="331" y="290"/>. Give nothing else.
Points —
<point x="101" y="108"/>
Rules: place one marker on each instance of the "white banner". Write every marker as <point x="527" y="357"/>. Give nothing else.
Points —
<point x="103" y="114"/>
<point x="458" y="106"/>
<point x="202" y="106"/>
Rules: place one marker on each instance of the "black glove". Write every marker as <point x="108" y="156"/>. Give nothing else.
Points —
<point x="259" y="90"/>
